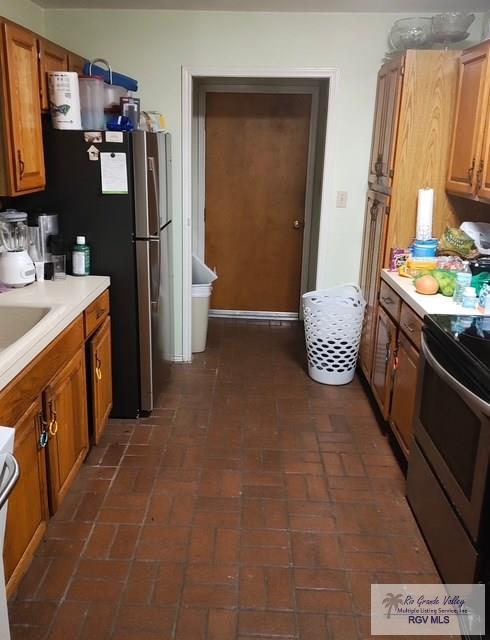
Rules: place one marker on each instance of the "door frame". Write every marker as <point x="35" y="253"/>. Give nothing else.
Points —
<point x="214" y="87"/>
<point x="191" y="73"/>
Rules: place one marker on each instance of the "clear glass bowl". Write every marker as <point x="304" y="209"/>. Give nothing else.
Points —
<point x="451" y="26"/>
<point x="411" y="33"/>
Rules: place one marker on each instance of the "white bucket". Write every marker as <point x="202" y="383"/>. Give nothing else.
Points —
<point x="201" y="294"/>
<point x="64" y="100"/>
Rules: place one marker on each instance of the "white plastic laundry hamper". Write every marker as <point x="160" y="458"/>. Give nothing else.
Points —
<point x="333" y="323"/>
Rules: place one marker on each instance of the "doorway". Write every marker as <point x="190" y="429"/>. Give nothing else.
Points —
<point x="258" y="162"/>
<point x="192" y="226"/>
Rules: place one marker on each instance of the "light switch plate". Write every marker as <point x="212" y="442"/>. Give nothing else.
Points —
<point x="341" y="199"/>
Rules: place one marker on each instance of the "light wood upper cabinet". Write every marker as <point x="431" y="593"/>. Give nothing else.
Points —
<point x="66" y="412"/>
<point x="76" y="63"/>
<point x="27" y="512"/>
<point x="51" y="58"/>
<point x="373" y="246"/>
<point x="387" y="109"/>
<point x="101" y="378"/>
<point x="23" y="159"/>
<point x="468" y="165"/>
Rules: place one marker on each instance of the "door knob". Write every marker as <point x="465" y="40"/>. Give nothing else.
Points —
<point x="298" y="224"/>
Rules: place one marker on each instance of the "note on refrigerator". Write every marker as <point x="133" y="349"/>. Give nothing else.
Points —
<point x="114" y="173"/>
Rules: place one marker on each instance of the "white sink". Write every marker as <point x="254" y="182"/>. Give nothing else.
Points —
<point x="15" y="322"/>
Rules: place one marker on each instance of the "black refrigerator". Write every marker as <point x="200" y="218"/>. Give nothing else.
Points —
<point x="129" y="237"/>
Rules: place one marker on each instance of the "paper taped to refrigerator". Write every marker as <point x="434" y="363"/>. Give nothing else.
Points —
<point x="114" y="173"/>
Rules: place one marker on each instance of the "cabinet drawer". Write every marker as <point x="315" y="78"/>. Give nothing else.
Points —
<point x="96" y="313"/>
<point x="390" y="301"/>
<point x="411" y="325"/>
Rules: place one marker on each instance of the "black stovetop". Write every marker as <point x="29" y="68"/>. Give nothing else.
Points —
<point x="463" y="342"/>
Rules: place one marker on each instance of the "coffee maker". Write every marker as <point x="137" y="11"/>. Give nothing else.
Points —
<point x="16" y="266"/>
<point x="41" y="227"/>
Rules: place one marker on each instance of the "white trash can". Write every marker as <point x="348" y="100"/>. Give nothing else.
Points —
<point x="202" y="277"/>
<point x="333" y="323"/>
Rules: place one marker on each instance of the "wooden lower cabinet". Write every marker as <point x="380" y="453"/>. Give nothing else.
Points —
<point x="404" y="389"/>
<point x="66" y="410"/>
<point x="27" y="513"/>
<point x="384" y="348"/>
<point x="101" y="378"/>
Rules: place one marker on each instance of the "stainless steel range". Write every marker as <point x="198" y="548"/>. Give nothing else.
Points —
<point x="448" y="472"/>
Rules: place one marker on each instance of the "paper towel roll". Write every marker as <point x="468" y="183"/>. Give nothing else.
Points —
<point x="425" y="207"/>
<point x="64" y="100"/>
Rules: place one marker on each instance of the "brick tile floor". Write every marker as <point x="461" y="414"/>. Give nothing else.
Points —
<point x="253" y="504"/>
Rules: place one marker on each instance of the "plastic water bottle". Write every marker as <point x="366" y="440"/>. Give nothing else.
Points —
<point x="463" y="280"/>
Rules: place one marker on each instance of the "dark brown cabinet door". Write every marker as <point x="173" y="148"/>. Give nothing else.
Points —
<point x="51" y="58"/>
<point x="404" y="387"/>
<point x="386" y="116"/>
<point x="101" y="378"/>
<point x="384" y="347"/>
<point x="27" y="512"/>
<point x="373" y="248"/>
<point x="472" y="101"/>
<point x="22" y="110"/>
<point x="66" y="412"/>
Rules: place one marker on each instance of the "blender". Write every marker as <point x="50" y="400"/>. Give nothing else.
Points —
<point x="16" y="267"/>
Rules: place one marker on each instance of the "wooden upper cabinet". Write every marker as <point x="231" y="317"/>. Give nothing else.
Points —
<point x="66" y="413"/>
<point x="386" y="116"/>
<point x="27" y="512"/>
<point x="465" y="165"/>
<point x="101" y="378"/>
<point x="23" y="169"/>
<point x="76" y="63"/>
<point x="51" y="58"/>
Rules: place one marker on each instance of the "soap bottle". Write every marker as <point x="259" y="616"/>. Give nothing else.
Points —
<point x="463" y="280"/>
<point x="81" y="258"/>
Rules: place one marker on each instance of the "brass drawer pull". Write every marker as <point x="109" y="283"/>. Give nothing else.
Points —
<point x="387" y="300"/>
<point x="408" y="327"/>
<point x="53" y="422"/>
<point x="98" y="368"/>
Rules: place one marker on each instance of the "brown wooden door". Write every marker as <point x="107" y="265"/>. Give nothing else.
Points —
<point x="76" y="63"/>
<point x="101" y="378"/>
<point x="27" y="512"/>
<point x="404" y="388"/>
<point x="51" y="58"/>
<point x="384" y="347"/>
<point x="386" y="115"/>
<point x="66" y="411"/>
<point x="373" y="247"/>
<point x="24" y="109"/>
<point x="256" y="165"/>
<point x="469" y="121"/>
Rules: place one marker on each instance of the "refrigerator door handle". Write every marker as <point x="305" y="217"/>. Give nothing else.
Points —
<point x="155" y="266"/>
<point x="153" y="197"/>
<point x="143" y="269"/>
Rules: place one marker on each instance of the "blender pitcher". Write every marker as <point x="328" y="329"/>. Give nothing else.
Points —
<point x="16" y="267"/>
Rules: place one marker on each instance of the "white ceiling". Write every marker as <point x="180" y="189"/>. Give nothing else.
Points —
<point x="388" y="6"/>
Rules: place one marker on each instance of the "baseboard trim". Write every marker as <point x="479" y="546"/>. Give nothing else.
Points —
<point x="253" y="315"/>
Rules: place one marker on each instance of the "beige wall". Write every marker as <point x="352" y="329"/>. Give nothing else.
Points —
<point x="23" y="12"/>
<point x="154" y="45"/>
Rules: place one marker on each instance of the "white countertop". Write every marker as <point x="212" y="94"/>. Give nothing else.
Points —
<point x="66" y="299"/>
<point x="421" y="303"/>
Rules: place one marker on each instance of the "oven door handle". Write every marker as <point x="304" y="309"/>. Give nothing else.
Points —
<point x="476" y="403"/>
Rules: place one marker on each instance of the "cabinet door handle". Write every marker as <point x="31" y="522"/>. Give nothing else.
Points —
<point x="21" y="164"/>
<point x="43" y="433"/>
<point x="479" y="175"/>
<point x="408" y="327"/>
<point x="98" y="368"/>
<point x="471" y="172"/>
<point x="374" y="210"/>
<point x="53" y="422"/>
<point x="387" y="300"/>
<point x="378" y="166"/>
